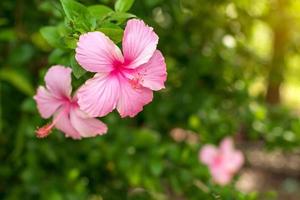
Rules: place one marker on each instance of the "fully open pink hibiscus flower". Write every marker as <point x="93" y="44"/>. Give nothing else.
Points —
<point x="223" y="162"/>
<point x="55" y="100"/>
<point x="122" y="82"/>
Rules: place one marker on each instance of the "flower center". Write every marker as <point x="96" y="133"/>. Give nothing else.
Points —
<point x="218" y="160"/>
<point x="134" y="78"/>
<point x="118" y="66"/>
<point x="136" y="81"/>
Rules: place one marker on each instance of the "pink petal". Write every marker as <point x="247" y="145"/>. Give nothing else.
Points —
<point x="64" y="124"/>
<point x="86" y="126"/>
<point x="132" y="99"/>
<point x="226" y="145"/>
<point x="95" y="52"/>
<point x="235" y="161"/>
<point x="47" y="104"/>
<point x="221" y="176"/>
<point x="154" y="73"/>
<point x="58" y="81"/>
<point x="99" y="95"/>
<point x="139" y="43"/>
<point x="208" y="153"/>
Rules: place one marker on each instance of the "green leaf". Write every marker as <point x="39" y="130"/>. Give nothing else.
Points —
<point x="78" y="14"/>
<point x="156" y="167"/>
<point x="70" y="42"/>
<point x="77" y="70"/>
<point x="28" y="105"/>
<point x="7" y="34"/>
<point x="59" y="56"/>
<point x="123" y="5"/>
<point x="52" y="36"/>
<point x="114" y="34"/>
<point x="146" y="137"/>
<point x="120" y="17"/>
<point x="99" y="11"/>
<point x="73" y="9"/>
<point x="113" y="31"/>
<point x="63" y="29"/>
<point x="18" y="80"/>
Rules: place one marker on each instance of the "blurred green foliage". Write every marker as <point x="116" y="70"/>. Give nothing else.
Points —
<point x="214" y="57"/>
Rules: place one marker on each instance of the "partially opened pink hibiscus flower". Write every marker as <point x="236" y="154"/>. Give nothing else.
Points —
<point x="122" y="82"/>
<point x="55" y="100"/>
<point x="223" y="162"/>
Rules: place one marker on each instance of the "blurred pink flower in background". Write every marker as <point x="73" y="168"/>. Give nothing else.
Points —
<point x="55" y="100"/>
<point x="223" y="162"/>
<point x="122" y="82"/>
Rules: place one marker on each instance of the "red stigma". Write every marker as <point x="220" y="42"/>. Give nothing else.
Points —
<point x="44" y="131"/>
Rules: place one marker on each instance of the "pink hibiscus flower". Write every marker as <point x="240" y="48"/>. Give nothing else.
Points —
<point x="223" y="162"/>
<point x="55" y="100"/>
<point x="122" y="82"/>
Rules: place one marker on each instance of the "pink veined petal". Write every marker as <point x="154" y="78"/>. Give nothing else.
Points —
<point x="86" y="126"/>
<point x="139" y="43"/>
<point x="153" y="74"/>
<point x="221" y="176"/>
<point x="95" y="52"/>
<point x="132" y="99"/>
<point x="207" y="154"/>
<point x="64" y="124"/>
<point x="99" y="95"/>
<point x="58" y="81"/>
<point x="47" y="104"/>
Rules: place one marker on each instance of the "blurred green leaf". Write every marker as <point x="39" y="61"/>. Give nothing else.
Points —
<point x="19" y="137"/>
<point x="59" y="56"/>
<point x="156" y="167"/>
<point x="7" y="34"/>
<point x="39" y="41"/>
<point x="3" y="21"/>
<point x="146" y="137"/>
<point x="18" y="80"/>
<point x="20" y="56"/>
<point x="123" y="5"/>
<point x="52" y="36"/>
<point x="73" y="174"/>
<point x="29" y="105"/>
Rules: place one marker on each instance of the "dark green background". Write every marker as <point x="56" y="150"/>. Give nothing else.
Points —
<point x="216" y="53"/>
